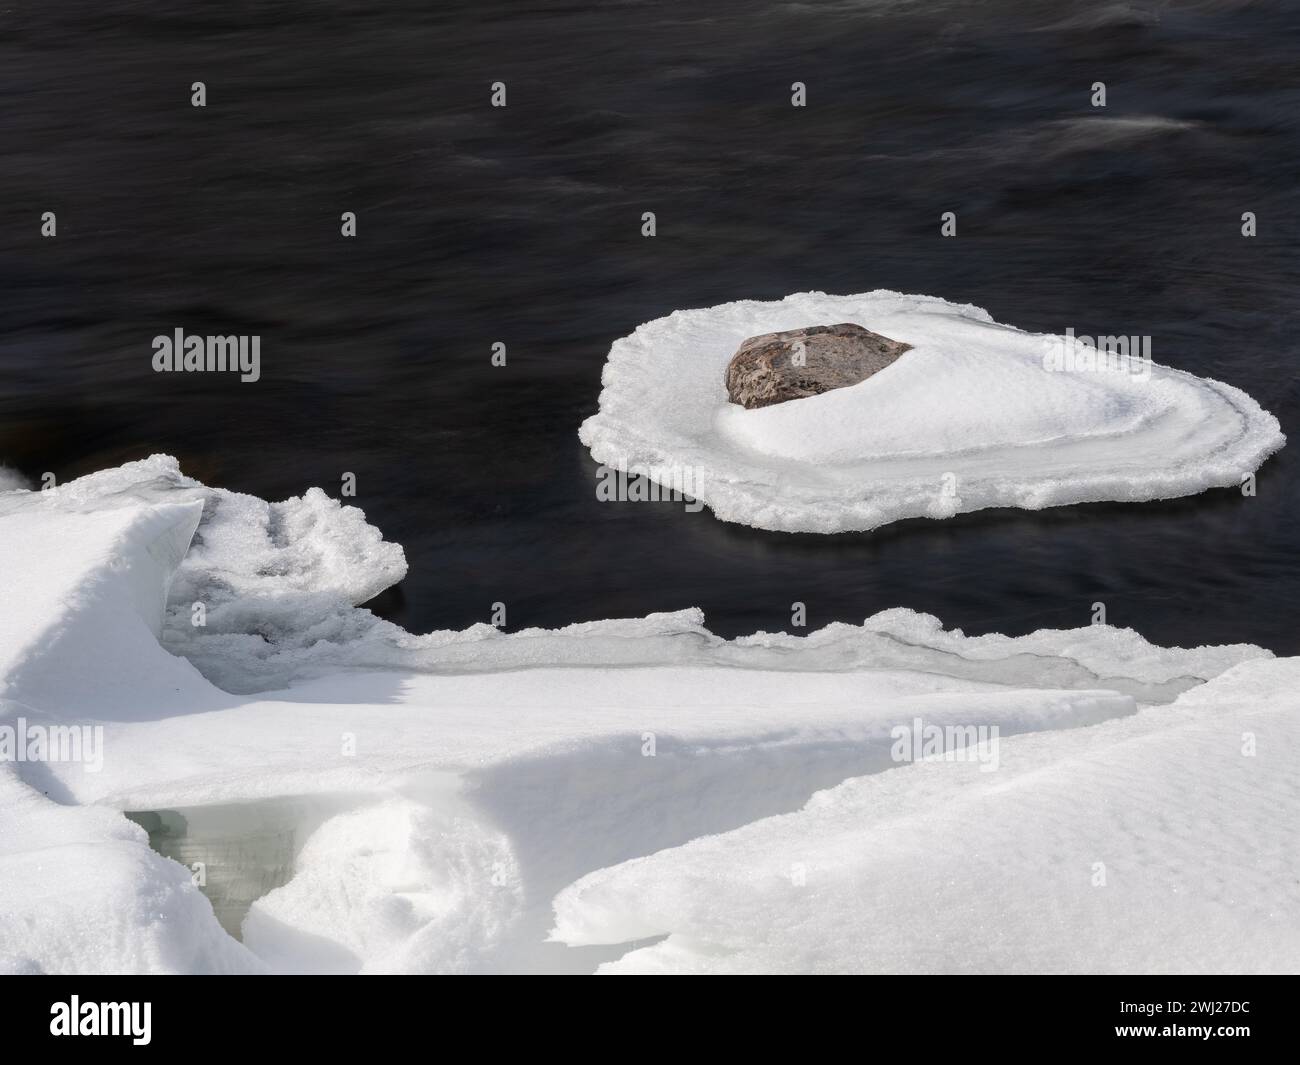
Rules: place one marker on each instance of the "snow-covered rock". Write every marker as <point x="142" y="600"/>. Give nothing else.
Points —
<point x="976" y="415"/>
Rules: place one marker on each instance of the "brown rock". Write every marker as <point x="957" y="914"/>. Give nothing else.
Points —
<point x="765" y="370"/>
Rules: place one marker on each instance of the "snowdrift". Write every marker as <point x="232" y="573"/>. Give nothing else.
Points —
<point x="1165" y="842"/>
<point x="431" y="797"/>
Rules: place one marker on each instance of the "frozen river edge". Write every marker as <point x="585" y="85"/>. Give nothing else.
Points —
<point x="634" y="795"/>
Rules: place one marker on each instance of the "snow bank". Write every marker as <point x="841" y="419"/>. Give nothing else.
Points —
<point x="82" y="609"/>
<point x="437" y="792"/>
<point x="85" y="597"/>
<point x="970" y="418"/>
<point x="1162" y="842"/>
<point x="475" y="798"/>
<point x="81" y="892"/>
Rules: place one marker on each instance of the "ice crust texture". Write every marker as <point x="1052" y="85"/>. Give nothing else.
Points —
<point x="497" y="810"/>
<point x="1148" y="844"/>
<point x="968" y="419"/>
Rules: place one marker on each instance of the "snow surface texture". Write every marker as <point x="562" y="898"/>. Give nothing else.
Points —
<point x="461" y="803"/>
<point x="1152" y="844"/>
<point x="971" y="418"/>
<point x="81" y="892"/>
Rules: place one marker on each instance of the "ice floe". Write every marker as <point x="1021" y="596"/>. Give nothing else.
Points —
<point x="977" y="415"/>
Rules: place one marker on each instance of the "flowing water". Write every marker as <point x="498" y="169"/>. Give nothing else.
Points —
<point x="522" y="225"/>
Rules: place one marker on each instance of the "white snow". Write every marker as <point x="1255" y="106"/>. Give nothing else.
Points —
<point x="81" y="892"/>
<point x="440" y="793"/>
<point x="972" y="417"/>
<point x="1159" y="843"/>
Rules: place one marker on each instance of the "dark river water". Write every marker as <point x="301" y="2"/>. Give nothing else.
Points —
<point x="522" y="225"/>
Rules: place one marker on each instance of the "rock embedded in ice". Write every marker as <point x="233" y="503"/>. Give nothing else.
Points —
<point x="796" y="363"/>
<point x="977" y="415"/>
